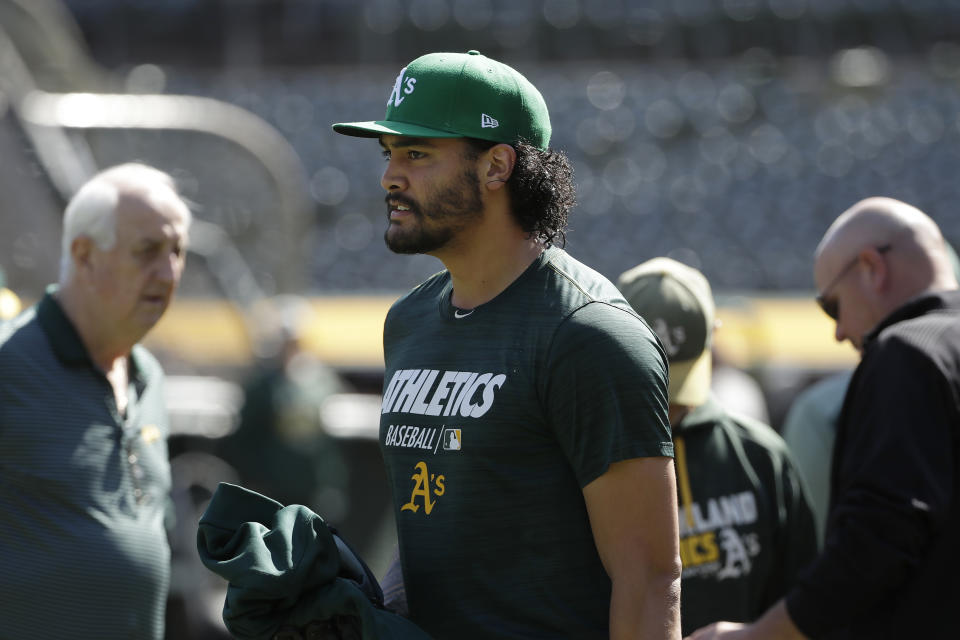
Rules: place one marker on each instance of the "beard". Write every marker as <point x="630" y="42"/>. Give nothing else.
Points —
<point x="443" y="214"/>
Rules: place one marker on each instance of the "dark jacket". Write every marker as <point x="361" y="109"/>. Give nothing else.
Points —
<point x="889" y="565"/>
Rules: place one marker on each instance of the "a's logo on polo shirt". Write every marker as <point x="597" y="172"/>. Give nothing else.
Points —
<point x="150" y="434"/>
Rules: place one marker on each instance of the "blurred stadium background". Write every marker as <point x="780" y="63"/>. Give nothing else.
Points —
<point x="724" y="133"/>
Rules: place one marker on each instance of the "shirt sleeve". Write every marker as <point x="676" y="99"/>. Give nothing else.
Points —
<point x="606" y="392"/>
<point x="892" y="487"/>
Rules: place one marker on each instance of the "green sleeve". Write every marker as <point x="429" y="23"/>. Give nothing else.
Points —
<point x="606" y="390"/>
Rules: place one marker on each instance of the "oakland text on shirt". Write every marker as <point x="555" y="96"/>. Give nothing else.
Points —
<point x="726" y="526"/>
<point x="430" y="392"/>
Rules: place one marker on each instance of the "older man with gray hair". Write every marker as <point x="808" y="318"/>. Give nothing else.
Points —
<point x="84" y="473"/>
<point x="889" y="564"/>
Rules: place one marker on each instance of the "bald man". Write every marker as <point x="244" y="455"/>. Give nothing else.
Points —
<point x="889" y="564"/>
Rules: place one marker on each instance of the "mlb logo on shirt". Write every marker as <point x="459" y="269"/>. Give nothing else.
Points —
<point x="451" y="440"/>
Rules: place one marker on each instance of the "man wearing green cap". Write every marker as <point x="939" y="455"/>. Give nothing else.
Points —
<point x="524" y="416"/>
<point x="746" y="526"/>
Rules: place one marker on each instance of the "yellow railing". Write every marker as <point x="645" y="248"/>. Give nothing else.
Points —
<point x="347" y="331"/>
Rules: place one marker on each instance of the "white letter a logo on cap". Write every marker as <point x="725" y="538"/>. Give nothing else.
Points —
<point x="395" y="96"/>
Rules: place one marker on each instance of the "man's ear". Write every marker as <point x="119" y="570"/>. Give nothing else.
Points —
<point x="501" y="159"/>
<point x="81" y="250"/>
<point x="876" y="271"/>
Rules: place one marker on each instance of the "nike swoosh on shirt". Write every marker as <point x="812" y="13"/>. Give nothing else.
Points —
<point x="458" y="313"/>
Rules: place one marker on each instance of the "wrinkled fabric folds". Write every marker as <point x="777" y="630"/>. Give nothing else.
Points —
<point x="284" y="569"/>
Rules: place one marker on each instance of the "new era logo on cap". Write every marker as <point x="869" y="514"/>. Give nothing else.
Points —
<point x="488" y="122"/>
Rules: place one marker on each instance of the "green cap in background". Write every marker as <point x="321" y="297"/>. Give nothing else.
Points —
<point x="460" y="95"/>
<point x="677" y="303"/>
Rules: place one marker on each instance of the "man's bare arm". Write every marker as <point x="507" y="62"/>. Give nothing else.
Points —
<point x="633" y="514"/>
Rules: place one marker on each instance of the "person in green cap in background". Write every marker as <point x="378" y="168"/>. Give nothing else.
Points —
<point x="746" y="526"/>
<point x="84" y="471"/>
<point x="524" y="416"/>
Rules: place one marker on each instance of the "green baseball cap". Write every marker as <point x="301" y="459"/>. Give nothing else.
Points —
<point x="460" y="95"/>
<point x="677" y="303"/>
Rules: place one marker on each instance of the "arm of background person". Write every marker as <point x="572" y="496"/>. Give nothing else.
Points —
<point x="633" y="515"/>
<point x="774" y="625"/>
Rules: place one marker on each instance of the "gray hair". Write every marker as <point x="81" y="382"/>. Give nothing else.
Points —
<point x="92" y="211"/>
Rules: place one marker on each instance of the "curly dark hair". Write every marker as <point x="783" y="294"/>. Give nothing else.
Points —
<point x="541" y="188"/>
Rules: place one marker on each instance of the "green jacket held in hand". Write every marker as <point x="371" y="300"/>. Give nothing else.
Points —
<point x="286" y="570"/>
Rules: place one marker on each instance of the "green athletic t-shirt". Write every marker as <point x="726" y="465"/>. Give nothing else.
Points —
<point x="493" y="420"/>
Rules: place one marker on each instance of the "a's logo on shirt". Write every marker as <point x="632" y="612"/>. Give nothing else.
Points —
<point x="737" y="556"/>
<point x="488" y="122"/>
<point x="401" y="85"/>
<point x="717" y="540"/>
<point x="426" y="486"/>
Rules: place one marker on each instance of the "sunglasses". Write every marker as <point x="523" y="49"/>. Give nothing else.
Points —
<point x="830" y="306"/>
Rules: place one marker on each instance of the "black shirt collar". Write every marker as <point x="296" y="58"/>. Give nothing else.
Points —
<point x="916" y="307"/>
<point x="61" y="333"/>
